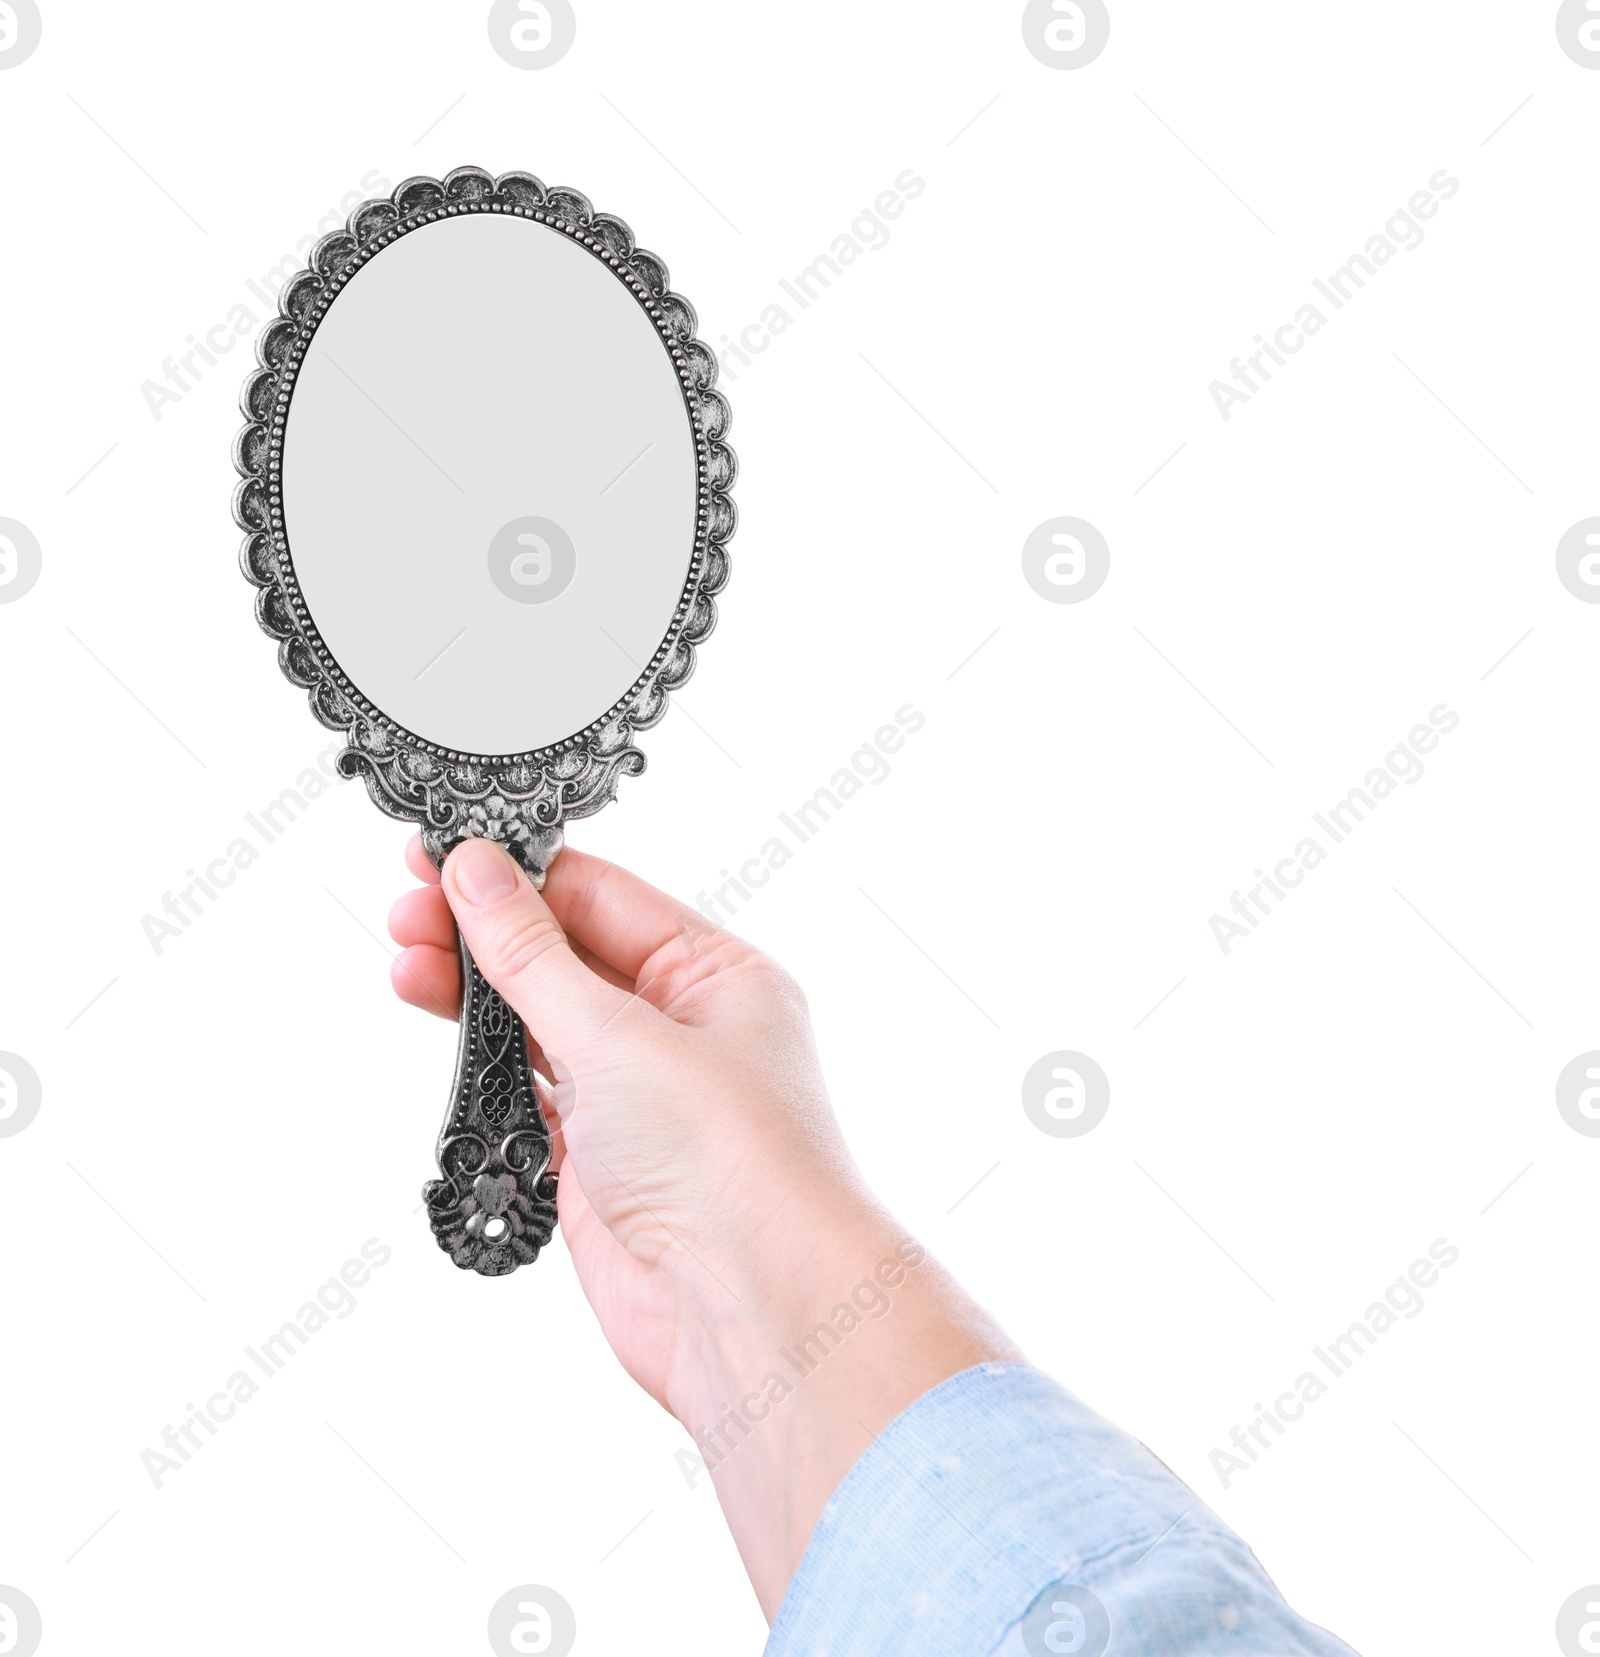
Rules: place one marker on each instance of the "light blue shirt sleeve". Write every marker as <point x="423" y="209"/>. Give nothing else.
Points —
<point x="1000" y="1517"/>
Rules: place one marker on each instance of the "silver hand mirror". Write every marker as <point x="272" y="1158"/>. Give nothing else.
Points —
<point x="485" y="500"/>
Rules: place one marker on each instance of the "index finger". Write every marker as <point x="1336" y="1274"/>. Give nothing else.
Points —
<point x="622" y="918"/>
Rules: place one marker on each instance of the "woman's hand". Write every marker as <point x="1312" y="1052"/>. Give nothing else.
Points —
<point x="710" y="1206"/>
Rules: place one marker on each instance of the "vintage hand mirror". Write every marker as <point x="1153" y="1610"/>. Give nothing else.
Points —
<point x="486" y="505"/>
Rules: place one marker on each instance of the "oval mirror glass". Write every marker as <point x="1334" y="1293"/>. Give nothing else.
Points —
<point x="489" y="484"/>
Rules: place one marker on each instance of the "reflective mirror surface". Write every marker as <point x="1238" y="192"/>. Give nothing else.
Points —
<point x="489" y="484"/>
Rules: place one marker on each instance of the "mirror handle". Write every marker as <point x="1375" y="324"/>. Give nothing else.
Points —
<point x="494" y="1206"/>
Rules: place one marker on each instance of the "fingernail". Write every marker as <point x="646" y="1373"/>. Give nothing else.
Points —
<point x="482" y="872"/>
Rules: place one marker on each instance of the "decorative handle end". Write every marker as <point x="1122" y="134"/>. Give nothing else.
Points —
<point x="499" y="1222"/>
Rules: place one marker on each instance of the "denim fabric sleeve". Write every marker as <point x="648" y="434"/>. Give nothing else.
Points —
<point x="999" y="1485"/>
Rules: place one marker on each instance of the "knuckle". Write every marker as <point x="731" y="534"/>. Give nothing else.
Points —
<point x="789" y="988"/>
<point x="524" y="942"/>
<point x="781" y="984"/>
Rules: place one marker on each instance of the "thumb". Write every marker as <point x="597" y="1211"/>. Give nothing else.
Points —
<point x="520" y="948"/>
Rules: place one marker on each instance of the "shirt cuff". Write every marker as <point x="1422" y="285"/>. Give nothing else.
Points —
<point x="989" y="1489"/>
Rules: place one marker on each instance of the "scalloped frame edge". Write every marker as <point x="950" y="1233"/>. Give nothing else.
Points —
<point x="521" y="800"/>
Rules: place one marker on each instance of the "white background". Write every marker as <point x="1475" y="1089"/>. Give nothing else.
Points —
<point x="230" y="1118"/>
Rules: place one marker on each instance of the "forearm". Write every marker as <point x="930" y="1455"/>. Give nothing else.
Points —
<point x="799" y="1351"/>
<point x="896" y="1480"/>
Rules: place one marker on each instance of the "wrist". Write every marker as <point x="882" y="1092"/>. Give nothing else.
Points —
<point x="793" y="1356"/>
